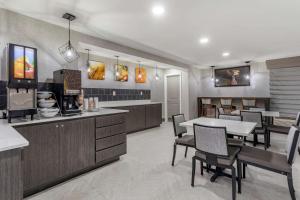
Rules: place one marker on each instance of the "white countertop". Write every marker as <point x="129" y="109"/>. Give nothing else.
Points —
<point x="11" y="139"/>
<point x="111" y="104"/>
<point x="238" y="128"/>
<point x="102" y="111"/>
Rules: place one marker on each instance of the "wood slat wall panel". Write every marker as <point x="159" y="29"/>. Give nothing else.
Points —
<point x="285" y="101"/>
<point x="285" y="89"/>
<point x="283" y="83"/>
<point x="291" y="97"/>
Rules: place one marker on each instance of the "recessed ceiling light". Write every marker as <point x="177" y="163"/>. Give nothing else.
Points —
<point x="225" y="54"/>
<point x="158" y="10"/>
<point x="204" y="40"/>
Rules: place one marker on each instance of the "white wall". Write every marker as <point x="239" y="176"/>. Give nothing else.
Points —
<point x="195" y="85"/>
<point x="259" y="84"/>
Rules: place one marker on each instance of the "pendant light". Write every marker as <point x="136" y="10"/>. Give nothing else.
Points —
<point x="67" y="51"/>
<point x="212" y="73"/>
<point x="117" y="71"/>
<point x="88" y="60"/>
<point x="140" y="74"/>
<point x="156" y="74"/>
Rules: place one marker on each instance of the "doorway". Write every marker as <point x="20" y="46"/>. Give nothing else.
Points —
<point x="173" y="96"/>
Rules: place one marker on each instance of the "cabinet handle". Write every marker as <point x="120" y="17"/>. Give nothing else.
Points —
<point x="62" y="125"/>
<point x="56" y="125"/>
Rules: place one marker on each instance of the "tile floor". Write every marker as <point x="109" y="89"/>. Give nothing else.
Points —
<point x="145" y="173"/>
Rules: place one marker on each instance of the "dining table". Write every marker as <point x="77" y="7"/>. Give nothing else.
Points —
<point x="238" y="128"/>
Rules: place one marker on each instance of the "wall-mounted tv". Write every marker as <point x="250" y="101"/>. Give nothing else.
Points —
<point x="234" y="76"/>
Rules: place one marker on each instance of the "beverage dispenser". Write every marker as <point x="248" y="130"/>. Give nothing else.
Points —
<point x="22" y="81"/>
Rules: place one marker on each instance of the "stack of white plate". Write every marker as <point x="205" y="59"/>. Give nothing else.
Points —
<point x="49" y="112"/>
<point x="46" y="103"/>
<point x="44" y="94"/>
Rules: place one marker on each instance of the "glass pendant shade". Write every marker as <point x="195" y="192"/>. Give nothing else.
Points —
<point x="139" y="75"/>
<point x="67" y="51"/>
<point x="156" y="74"/>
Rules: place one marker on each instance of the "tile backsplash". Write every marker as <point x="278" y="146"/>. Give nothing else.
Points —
<point x="104" y="94"/>
<point x="108" y="94"/>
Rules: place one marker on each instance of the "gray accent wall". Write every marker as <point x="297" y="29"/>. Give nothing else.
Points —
<point x="259" y="84"/>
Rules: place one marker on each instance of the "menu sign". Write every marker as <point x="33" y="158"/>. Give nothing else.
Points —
<point x="22" y="66"/>
<point x="24" y="62"/>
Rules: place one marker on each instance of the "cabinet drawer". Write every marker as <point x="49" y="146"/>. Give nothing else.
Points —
<point x="111" y="152"/>
<point x="110" y="120"/>
<point x="110" y="130"/>
<point x="110" y="141"/>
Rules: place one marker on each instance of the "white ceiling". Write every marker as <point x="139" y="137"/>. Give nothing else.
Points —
<point x="249" y="29"/>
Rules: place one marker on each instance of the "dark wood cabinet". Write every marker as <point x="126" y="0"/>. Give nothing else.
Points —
<point x="56" y="150"/>
<point x="110" y="137"/>
<point x="141" y="117"/>
<point x="135" y="118"/>
<point x="77" y="145"/>
<point x="42" y="156"/>
<point x="11" y="185"/>
<point x="153" y="115"/>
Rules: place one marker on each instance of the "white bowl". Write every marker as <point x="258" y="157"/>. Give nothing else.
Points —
<point x="44" y="95"/>
<point x="46" y="100"/>
<point x="45" y="104"/>
<point x="49" y="114"/>
<point x="48" y="110"/>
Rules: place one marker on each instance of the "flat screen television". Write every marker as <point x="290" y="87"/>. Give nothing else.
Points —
<point x="234" y="76"/>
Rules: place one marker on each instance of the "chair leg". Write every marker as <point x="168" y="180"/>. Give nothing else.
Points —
<point x="193" y="171"/>
<point x="239" y="176"/>
<point x="266" y="141"/>
<point x="186" y="150"/>
<point x="299" y="150"/>
<point x="233" y="183"/>
<point x="201" y="168"/>
<point x="207" y="167"/>
<point x="291" y="186"/>
<point x="255" y="140"/>
<point x="174" y="154"/>
<point x="269" y="138"/>
<point x="244" y="170"/>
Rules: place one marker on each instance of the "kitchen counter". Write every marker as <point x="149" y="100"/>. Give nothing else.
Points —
<point x="11" y="139"/>
<point x="112" y="104"/>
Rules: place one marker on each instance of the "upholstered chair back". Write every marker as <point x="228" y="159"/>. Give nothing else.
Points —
<point x="211" y="140"/>
<point x="178" y="130"/>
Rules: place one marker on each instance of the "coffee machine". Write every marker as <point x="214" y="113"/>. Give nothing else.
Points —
<point x="67" y="89"/>
<point x="22" y="81"/>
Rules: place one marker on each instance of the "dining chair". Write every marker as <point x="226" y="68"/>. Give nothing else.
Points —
<point x="256" y="109"/>
<point x="248" y="103"/>
<point x="275" y="162"/>
<point x="207" y="107"/>
<point x="282" y="129"/>
<point x="231" y="140"/>
<point x="181" y="137"/>
<point x="226" y="104"/>
<point x="221" y="111"/>
<point x="260" y="129"/>
<point x="212" y="148"/>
